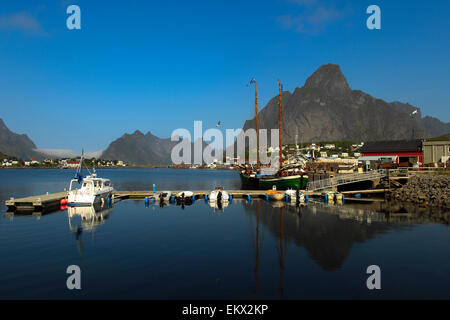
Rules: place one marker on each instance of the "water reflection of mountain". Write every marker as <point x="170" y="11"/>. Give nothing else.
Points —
<point x="327" y="237"/>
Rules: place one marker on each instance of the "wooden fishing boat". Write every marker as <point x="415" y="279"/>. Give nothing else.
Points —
<point x="284" y="178"/>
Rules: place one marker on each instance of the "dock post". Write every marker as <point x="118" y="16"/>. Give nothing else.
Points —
<point x="287" y="198"/>
<point x="193" y="198"/>
<point x="173" y="198"/>
<point x="306" y="199"/>
<point x="249" y="198"/>
<point x="206" y="197"/>
<point x="146" y="201"/>
<point x="154" y="188"/>
<point x="231" y="197"/>
<point x="326" y="198"/>
<point x="267" y="197"/>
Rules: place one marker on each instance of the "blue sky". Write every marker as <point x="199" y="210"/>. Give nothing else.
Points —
<point x="159" y="65"/>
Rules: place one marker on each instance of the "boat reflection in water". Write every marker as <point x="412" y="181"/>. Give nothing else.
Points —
<point x="218" y="205"/>
<point x="91" y="218"/>
<point x="281" y="252"/>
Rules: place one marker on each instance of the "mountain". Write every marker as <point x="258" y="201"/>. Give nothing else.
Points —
<point x="327" y="109"/>
<point x="137" y="148"/>
<point x="16" y="145"/>
<point x="444" y="137"/>
<point x="141" y="149"/>
<point x="435" y="127"/>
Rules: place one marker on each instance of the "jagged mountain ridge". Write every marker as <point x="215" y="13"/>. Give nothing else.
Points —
<point x="327" y="109"/>
<point x="16" y="145"/>
<point x="139" y="148"/>
<point x="324" y="109"/>
<point x="142" y="149"/>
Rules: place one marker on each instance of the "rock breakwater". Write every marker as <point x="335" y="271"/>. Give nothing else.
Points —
<point x="425" y="190"/>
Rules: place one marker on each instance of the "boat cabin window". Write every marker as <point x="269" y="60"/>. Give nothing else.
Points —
<point x="106" y="183"/>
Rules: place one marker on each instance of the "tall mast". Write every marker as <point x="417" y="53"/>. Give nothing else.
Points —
<point x="256" y="125"/>
<point x="279" y="124"/>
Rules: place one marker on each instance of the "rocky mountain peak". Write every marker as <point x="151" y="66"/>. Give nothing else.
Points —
<point x="2" y="124"/>
<point x="138" y="133"/>
<point x="330" y="79"/>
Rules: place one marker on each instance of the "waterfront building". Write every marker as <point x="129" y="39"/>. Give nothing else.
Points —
<point x="404" y="152"/>
<point x="436" y="151"/>
<point x="72" y="163"/>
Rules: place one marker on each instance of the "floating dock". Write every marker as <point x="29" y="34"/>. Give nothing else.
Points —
<point x="42" y="202"/>
<point x="50" y="201"/>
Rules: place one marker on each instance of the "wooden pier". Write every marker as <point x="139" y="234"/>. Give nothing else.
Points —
<point x="198" y="194"/>
<point x="51" y="201"/>
<point x="41" y="202"/>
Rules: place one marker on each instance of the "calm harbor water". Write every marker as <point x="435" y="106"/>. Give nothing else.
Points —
<point x="254" y="250"/>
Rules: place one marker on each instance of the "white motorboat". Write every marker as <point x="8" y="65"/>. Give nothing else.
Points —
<point x="93" y="190"/>
<point x="218" y="195"/>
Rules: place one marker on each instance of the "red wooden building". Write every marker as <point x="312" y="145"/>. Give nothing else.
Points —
<point x="398" y="151"/>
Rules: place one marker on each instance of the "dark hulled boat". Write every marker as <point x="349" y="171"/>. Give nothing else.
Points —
<point x="283" y="179"/>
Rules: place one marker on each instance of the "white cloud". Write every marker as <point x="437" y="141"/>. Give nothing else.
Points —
<point x="22" y="21"/>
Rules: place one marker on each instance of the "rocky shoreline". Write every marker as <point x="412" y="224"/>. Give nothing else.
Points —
<point x="425" y="190"/>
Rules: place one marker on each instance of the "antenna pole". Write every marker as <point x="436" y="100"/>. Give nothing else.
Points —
<point x="279" y="124"/>
<point x="256" y="125"/>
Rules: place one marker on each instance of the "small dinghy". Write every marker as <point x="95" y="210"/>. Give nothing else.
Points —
<point x="328" y="196"/>
<point x="218" y="195"/>
<point x="294" y="195"/>
<point x="274" y="194"/>
<point x="338" y="196"/>
<point x="185" y="196"/>
<point x="163" y="196"/>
